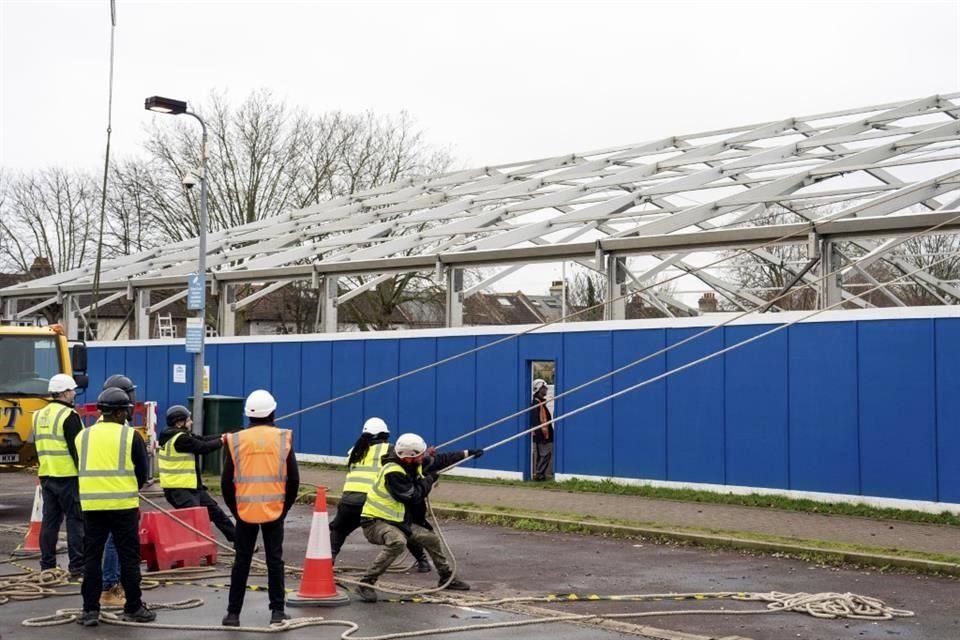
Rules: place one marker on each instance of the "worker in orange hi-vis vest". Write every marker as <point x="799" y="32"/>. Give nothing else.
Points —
<point x="259" y="483"/>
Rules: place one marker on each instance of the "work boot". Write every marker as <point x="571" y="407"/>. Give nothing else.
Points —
<point x="423" y="565"/>
<point x="276" y="617"/>
<point x="140" y="615"/>
<point x="231" y="620"/>
<point x="89" y="619"/>
<point x="367" y="594"/>
<point x="455" y="585"/>
<point x="113" y="597"/>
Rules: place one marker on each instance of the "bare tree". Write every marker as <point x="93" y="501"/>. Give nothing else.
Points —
<point x="585" y="290"/>
<point x="766" y="274"/>
<point x="266" y="157"/>
<point x="48" y="214"/>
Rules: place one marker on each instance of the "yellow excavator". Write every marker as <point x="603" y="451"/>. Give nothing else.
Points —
<point x="29" y="357"/>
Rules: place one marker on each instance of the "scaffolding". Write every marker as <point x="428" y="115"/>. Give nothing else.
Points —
<point x="860" y="176"/>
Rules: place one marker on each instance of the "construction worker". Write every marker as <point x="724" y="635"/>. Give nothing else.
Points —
<point x="363" y="467"/>
<point x="180" y="467"/>
<point x="543" y="436"/>
<point x="395" y="510"/>
<point x="54" y="428"/>
<point x="112" y="469"/>
<point x="112" y="594"/>
<point x="260" y="482"/>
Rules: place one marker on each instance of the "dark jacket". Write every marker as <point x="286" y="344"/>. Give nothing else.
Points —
<point x="412" y="491"/>
<point x="230" y="491"/>
<point x="191" y="443"/>
<point x="141" y="463"/>
<point x="536" y="421"/>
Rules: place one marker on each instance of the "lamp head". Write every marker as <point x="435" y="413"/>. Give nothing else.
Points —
<point x="165" y="105"/>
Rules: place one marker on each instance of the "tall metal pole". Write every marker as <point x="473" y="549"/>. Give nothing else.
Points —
<point x="202" y="271"/>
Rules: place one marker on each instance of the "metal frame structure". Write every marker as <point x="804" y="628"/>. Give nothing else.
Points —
<point x="843" y="175"/>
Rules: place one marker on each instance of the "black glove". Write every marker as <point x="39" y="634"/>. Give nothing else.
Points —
<point x="476" y="453"/>
<point x="427" y="482"/>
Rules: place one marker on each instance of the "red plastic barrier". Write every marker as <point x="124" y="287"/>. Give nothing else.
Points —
<point x="167" y="544"/>
<point x="141" y="418"/>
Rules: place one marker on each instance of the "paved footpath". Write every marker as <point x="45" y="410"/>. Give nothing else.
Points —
<point x="724" y="519"/>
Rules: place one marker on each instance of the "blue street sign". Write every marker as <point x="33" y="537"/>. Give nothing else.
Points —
<point x="196" y="287"/>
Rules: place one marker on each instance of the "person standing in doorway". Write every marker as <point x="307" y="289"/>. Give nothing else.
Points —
<point x="542" y="421"/>
<point x="180" y="468"/>
<point x="55" y="427"/>
<point x="260" y="482"/>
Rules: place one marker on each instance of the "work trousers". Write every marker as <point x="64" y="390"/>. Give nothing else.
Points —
<point x="61" y="499"/>
<point x="347" y="520"/>
<point x="244" y="545"/>
<point x="543" y="460"/>
<point x="186" y="498"/>
<point x="394" y="540"/>
<point x="124" y="525"/>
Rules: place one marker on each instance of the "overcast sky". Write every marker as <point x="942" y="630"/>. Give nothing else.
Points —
<point x="492" y="81"/>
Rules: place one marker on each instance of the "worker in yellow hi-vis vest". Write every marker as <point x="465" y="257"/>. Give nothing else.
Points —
<point x="112" y="469"/>
<point x="180" y="475"/>
<point x="54" y="429"/>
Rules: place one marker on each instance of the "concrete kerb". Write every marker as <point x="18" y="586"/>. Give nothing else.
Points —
<point x="702" y="539"/>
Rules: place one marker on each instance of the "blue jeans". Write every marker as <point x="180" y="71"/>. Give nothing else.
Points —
<point x="111" y="565"/>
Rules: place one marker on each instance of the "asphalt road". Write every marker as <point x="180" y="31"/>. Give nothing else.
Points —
<point x="504" y="562"/>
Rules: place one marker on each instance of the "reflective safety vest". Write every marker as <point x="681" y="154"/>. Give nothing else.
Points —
<point x="380" y="503"/>
<point x="260" y="471"/>
<point x="55" y="458"/>
<point x="107" y="478"/>
<point x="177" y="470"/>
<point x="362" y="476"/>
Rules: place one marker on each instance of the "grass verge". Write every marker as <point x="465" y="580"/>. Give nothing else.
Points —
<point x="578" y="485"/>
<point x="814" y="551"/>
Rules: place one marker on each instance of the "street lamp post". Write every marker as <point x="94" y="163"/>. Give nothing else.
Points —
<point x="176" y="107"/>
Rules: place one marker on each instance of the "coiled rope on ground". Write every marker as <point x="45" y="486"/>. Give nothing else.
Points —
<point x="819" y="605"/>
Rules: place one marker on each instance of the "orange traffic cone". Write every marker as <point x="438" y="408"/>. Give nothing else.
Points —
<point x="317" y="588"/>
<point x="31" y="542"/>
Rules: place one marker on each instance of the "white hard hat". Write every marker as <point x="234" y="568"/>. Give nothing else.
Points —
<point x="60" y="383"/>
<point x="539" y="382"/>
<point x="260" y="404"/>
<point x="409" y="445"/>
<point x="374" y="426"/>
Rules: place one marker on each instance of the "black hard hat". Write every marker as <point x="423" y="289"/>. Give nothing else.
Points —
<point x="113" y="398"/>
<point x="120" y="381"/>
<point x="177" y="413"/>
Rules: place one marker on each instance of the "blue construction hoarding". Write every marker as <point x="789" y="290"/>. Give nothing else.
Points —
<point x="857" y="404"/>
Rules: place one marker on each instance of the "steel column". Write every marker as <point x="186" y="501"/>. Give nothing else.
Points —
<point x="616" y="307"/>
<point x="142" y="321"/>
<point x="455" y="297"/>
<point x="228" y="317"/>
<point x="328" y="315"/>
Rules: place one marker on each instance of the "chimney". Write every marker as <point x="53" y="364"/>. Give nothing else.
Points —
<point x="40" y="268"/>
<point x="708" y="302"/>
<point x="556" y="289"/>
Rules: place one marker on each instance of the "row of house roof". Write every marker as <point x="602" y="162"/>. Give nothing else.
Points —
<point x="294" y="311"/>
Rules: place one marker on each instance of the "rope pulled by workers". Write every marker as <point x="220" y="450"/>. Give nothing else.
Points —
<point x="819" y="605"/>
<point x="34" y="585"/>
